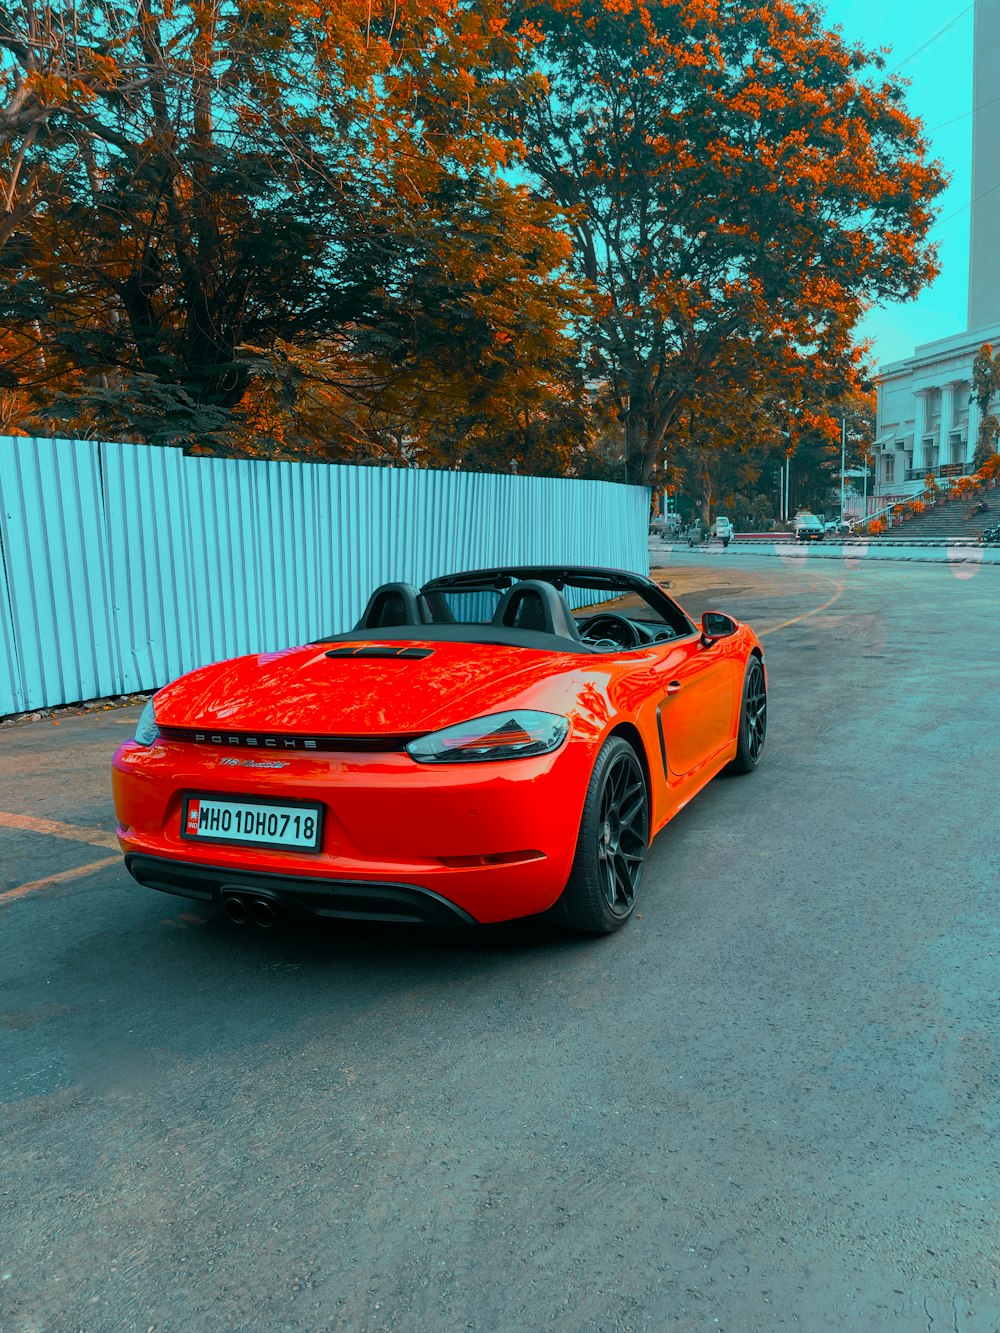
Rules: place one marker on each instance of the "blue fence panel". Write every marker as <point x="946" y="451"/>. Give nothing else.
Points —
<point x="56" y="570"/>
<point x="12" y="695"/>
<point x="125" y="566"/>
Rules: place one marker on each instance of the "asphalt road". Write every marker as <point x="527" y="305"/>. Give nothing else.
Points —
<point x="769" y="1103"/>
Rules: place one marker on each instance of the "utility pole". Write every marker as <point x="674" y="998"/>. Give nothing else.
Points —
<point x="786" y="474"/>
<point x="843" y="464"/>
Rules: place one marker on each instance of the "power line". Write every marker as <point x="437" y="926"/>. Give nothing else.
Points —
<point x="971" y="204"/>
<point x="931" y="40"/>
<point x="964" y="116"/>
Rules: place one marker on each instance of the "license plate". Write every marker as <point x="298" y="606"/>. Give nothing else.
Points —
<point x="252" y="822"/>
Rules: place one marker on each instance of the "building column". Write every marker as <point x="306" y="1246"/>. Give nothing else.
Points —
<point x="949" y="421"/>
<point x="919" y="428"/>
<point x="974" y="415"/>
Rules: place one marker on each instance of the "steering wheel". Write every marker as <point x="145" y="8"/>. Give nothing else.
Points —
<point x="608" y="628"/>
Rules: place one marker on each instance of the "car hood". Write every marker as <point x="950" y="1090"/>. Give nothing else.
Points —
<point x="304" y="691"/>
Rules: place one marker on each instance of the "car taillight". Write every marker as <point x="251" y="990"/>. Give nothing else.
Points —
<point x="514" y="735"/>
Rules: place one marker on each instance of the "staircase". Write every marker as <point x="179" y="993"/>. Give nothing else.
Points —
<point x="945" y="522"/>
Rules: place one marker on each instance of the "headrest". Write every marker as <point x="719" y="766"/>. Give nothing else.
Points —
<point x="534" y="605"/>
<point x="392" y="604"/>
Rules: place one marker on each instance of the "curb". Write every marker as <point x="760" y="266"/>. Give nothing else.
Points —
<point x="938" y="553"/>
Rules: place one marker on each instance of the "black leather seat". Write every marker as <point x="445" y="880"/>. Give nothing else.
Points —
<point x="538" y="606"/>
<point x="392" y="604"/>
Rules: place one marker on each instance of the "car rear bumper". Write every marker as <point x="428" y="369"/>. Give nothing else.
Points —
<point x="346" y="899"/>
<point x="495" y="841"/>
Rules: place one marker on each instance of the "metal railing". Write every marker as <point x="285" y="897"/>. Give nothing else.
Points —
<point x="949" y="478"/>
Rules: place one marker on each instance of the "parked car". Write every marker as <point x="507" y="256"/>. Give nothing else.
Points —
<point x="665" y="525"/>
<point x="808" y="528"/>
<point x="838" y="527"/>
<point x="471" y="751"/>
<point x="723" y="530"/>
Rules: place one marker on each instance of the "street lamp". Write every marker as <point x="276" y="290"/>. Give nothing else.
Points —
<point x="785" y="505"/>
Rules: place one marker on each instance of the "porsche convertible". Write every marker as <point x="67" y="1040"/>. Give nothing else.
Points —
<point x="496" y="744"/>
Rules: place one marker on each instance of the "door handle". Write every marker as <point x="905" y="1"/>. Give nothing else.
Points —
<point x="674" y="687"/>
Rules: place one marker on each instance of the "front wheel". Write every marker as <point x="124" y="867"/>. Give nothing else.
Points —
<point x="753" y="719"/>
<point x="603" y="884"/>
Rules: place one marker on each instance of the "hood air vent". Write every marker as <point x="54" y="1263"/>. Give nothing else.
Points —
<point x="382" y="650"/>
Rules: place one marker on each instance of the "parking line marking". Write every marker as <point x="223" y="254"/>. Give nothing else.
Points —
<point x="773" y="629"/>
<point x="71" y="832"/>
<point x="23" y="889"/>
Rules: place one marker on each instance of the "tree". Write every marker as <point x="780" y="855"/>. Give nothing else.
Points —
<point x="49" y="72"/>
<point x="739" y="184"/>
<point x="259" y="188"/>
<point x="985" y="388"/>
<point x="817" y="457"/>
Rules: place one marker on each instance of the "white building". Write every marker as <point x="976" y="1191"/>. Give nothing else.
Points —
<point x="927" y="419"/>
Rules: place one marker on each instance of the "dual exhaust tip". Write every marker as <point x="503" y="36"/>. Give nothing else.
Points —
<point x="241" y="908"/>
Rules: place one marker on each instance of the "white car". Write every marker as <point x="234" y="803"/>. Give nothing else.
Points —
<point x="722" y="530"/>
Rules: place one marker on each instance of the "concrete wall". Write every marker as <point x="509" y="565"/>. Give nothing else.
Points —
<point x="984" y="267"/>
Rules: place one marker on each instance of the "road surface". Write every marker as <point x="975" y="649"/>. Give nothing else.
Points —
<point x="769" y="1103"/>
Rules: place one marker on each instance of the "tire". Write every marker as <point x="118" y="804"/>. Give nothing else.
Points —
<point x="753" y="719"/>
<point x="603" y="885"/>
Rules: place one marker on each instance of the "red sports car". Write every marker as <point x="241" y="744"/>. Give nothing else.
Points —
<point x="493" y="745"/>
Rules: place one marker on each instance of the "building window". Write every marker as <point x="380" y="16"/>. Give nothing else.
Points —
<point x="890" y="467"/>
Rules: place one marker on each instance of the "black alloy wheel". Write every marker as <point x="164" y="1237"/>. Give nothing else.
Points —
<point x="603" y="886"/>
<point x="753" y="719"/>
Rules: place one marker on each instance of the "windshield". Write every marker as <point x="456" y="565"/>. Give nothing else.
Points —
<point x="477" y="606"/>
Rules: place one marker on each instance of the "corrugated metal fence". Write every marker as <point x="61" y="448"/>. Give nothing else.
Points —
<point x="124" y="566"/>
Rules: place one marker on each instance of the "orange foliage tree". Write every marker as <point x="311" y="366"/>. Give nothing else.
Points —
<point x="985" y="389"/>
<point x="739" y="184"/>
<point x="251" y="191"/>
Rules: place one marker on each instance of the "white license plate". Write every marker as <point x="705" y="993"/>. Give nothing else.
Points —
<point x="252" y="823"/>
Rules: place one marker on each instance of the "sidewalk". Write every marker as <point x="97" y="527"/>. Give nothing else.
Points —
<point x="939" y="552"/>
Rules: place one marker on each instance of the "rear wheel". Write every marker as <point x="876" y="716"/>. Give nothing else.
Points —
<point x="603" y="885"/>
<point x="753" y="719"/>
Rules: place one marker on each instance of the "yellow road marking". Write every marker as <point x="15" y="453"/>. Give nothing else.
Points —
<point x="773" y="629"/>
<point x="60" y="878"/>
<point x="71" y="832"/>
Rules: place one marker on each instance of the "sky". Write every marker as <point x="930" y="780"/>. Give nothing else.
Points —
<point x="940" y="94"/>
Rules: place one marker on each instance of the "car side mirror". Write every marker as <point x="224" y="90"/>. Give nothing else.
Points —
<point x="715" y="626"/>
